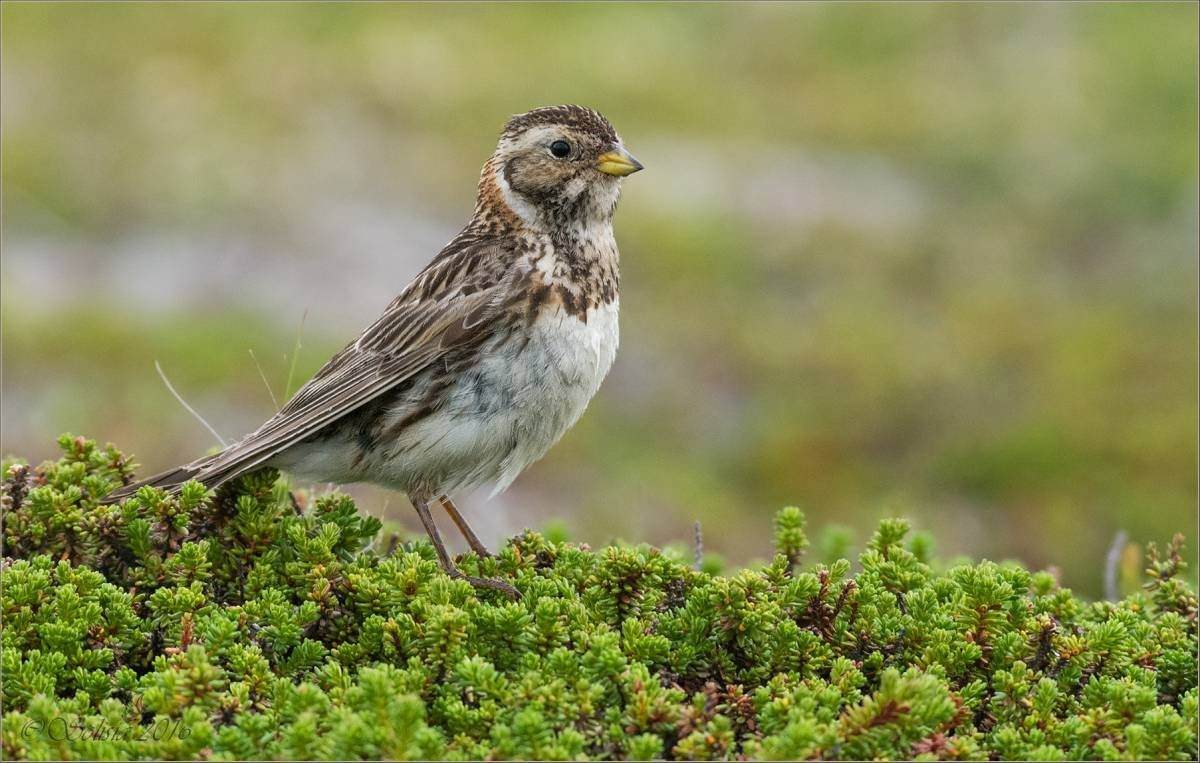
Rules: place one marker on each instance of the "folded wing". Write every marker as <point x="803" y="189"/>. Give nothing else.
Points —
<point x="449" y="306"/>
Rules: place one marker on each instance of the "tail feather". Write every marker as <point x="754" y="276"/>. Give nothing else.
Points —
<point x="172" y="479"/>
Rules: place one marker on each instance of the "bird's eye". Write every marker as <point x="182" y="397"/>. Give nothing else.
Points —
<point x="560" y="149"/>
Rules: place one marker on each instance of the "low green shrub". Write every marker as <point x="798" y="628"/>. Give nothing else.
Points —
<point x="252" y="622"/>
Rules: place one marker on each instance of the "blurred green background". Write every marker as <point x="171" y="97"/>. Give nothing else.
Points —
<point x="931" y="260"/>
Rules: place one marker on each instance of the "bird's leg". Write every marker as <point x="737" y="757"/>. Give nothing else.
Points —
<point x="447" y="563"/>
<point x="464" y="528"/>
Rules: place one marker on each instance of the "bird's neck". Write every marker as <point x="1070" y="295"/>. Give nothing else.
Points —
<point x="500" y="209"/>
<point x="576" y="262"/>
<point x="494" y="211"/>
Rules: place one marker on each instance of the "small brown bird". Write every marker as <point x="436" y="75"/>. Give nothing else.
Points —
<point x="487" y="357"/>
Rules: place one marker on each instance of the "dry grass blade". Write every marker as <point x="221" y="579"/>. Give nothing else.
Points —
<point x="162" y="375"/>
<point x="262" y="375"/>
<point x="287" y="388"/>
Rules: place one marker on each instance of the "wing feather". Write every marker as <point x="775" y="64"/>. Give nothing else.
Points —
<point x="405" y="340"/>
<point x="451" y="304"/>
<point x="447" y="306"/>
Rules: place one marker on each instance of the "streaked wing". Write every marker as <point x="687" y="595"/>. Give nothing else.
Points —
<point x="416" y="330"/>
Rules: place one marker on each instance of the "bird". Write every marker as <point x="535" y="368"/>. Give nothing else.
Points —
<point x="486" y="358"/>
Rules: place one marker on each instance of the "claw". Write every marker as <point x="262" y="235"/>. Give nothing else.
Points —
<point x="447" y="563"/>
<point x="493" y="583"/>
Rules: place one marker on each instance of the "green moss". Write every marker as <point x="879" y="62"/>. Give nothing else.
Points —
<point x="251" y="622"/>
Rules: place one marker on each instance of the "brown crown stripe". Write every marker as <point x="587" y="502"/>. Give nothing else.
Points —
<point x="569" y="115"/>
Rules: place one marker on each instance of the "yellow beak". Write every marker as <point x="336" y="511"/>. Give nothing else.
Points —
<point x="618" y="162"/>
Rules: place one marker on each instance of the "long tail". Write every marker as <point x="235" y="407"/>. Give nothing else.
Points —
<point x="172" y="479"/>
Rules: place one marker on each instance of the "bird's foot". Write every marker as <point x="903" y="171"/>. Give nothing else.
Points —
<point x="447" y="563"/>
<point x="493" y="583"/>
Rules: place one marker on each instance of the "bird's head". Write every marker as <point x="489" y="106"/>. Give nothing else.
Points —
<point x="557" y="167"/>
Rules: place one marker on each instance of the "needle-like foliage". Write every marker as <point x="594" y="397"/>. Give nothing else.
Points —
<point x="251" y="623"/>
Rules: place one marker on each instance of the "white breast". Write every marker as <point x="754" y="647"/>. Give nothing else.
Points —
<point x="556" y="375"/>
<point x="504" y="413"/>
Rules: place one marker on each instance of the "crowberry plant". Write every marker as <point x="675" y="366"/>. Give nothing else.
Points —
<point x="251" y="623"/>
